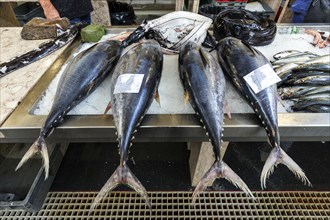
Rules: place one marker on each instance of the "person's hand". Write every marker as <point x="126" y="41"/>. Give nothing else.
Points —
<point x="49" y="9"/>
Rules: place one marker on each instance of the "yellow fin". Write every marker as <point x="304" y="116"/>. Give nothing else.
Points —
<point x="157" y="98"/>
<point x="186" y="97"/>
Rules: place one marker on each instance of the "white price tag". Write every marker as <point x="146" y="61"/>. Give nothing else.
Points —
<point x="262" y="78"/>
<point x="128" y="83"/>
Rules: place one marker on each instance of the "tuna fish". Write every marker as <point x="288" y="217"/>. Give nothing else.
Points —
<point x="86" y="71"/>
<point x="204" y="83"/>
<point x="237" y="60"/>
<point x="139" y="67"/>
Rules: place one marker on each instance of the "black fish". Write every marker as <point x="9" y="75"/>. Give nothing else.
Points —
<point x="203" y="80"/>
<point x="145" y="60"/>
<point x="86" y="71"/>
<point x="245" y="25"/>
<point x="238" y="59"/>
<point x="318" y="108"/>
<point x="42" y="51"/>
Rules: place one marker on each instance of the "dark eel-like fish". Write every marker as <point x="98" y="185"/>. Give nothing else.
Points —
<point x="204" y="83"/>
<point x="42" y="51"/>
<point x="86" y="71"/>
<point x="245" y="25"/>
<point x="238" y="59"/>
<point x="145" y="60"/>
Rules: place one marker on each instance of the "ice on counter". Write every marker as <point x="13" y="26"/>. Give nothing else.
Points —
<point x="170" y="88"/>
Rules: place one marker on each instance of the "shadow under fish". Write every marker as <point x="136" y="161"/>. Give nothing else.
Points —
<point x="81" y="76"/>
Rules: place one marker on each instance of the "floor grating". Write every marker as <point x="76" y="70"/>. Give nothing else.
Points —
<point x="176" y="205"/>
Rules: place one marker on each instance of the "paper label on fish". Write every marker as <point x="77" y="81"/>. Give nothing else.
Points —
<point x="128" y="83"/>
<point x="262" y="78"/>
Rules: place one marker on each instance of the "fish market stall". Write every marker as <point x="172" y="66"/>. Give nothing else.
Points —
<point x="86" y="123"/>
<point x="171" y="120"/>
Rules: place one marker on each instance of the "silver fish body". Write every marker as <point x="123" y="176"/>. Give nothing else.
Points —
<point x="285" y="53"/>
<point x="144" y="59"/>
<point x="82" y="75"/>
<point x="298" y="59"/>
<point x="238" y="59"/>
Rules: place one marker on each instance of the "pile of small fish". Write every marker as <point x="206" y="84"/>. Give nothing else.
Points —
<point x="305" y="80"/>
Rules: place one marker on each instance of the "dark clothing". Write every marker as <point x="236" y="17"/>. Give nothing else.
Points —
<point x="311" y="11"/>
<point x="73" y="8"/>
<point x="318" y="12"/>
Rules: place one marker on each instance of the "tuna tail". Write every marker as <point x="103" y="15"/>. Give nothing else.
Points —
<point x="122" y="175"/>
<point x="38" y="146"/>
<point x="220" y="170"/>
<point x="278" y="156"/>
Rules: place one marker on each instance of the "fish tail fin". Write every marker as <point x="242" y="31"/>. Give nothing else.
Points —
<point x="220" y="170"/>
<point x="38" y="146"/>
<point x="278" y="156"/>
<point x="122" y="175"/>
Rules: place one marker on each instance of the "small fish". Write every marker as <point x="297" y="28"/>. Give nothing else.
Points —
<point x="204" y="83"/>
<point x="36" y="54"/>
<point x="300" y="59"/>
<point x="298" y="91"/>
<point x="303" y="103"/>
<point x="323" y="67"/>
<point x="263" y="103"/>
<point x="285" y="53"/>
<point x="145" y="61"/>
<point x="285" y="68"/>
<point x="310" y="80"/>
<point x="299" y="75"/>
<point x="318" y="108"/>
<point x="82" y="75"/>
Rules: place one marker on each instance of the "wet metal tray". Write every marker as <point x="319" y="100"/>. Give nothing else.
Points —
<point x="294" y="205"/>
<point x="26" y="188"/>
<point x="22" y="126"/>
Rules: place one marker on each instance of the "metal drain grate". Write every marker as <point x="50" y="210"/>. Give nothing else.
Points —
<point x="175" y="205"/>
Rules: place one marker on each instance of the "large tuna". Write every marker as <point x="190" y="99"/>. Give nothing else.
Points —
<point x="238" y="59"/>
<point x="133" y="87"/>
<point x="204" y="83"/>
<point x="86" y="71"/>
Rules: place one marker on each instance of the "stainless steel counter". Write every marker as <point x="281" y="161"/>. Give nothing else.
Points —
<point x="21" y="126"/>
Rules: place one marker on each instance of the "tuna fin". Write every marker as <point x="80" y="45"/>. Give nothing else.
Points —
<point x="220" y="170"/>
<point x="109" y="106"/>
<point x="157" y="98"/>
<point x="122" y="175"/>
<point x="227" y="110"/>
<point x="38" y="146"/>
<point x="186" y="97"/>
<point x="278" y="156"/>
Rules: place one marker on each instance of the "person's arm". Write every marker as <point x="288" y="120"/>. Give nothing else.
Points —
<point x="49" y="9"/>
